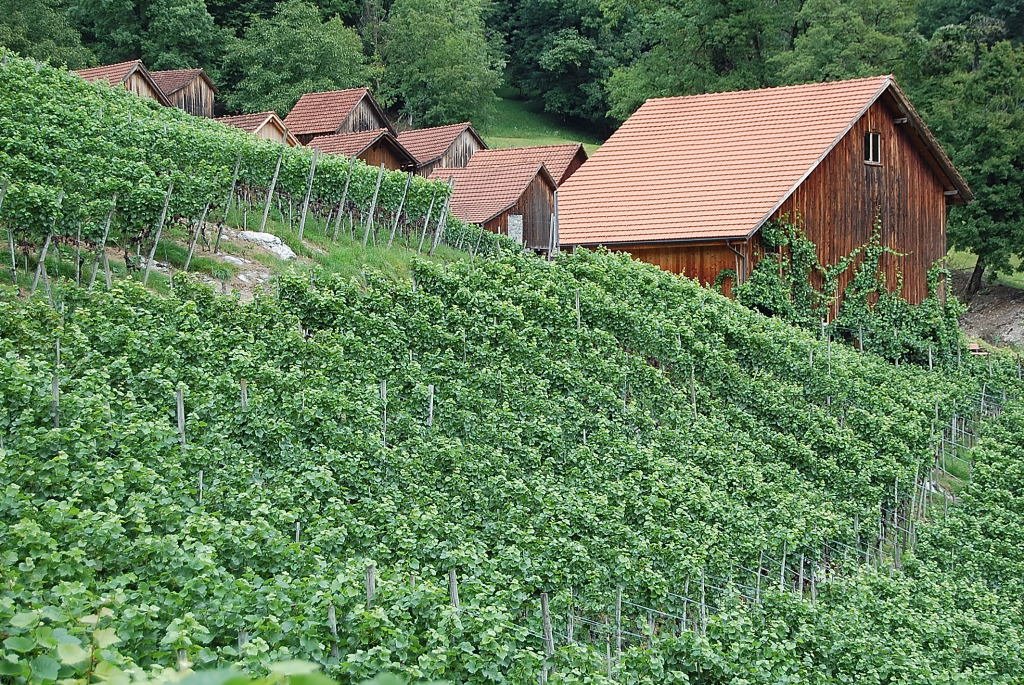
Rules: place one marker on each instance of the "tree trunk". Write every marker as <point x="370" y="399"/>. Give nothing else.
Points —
<point x="974" y="284"/>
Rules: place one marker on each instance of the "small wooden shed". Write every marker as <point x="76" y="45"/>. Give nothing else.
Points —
<point x="132" y="75"/>
<point x="448" y="147"/>
<point x="337" y="111"/>
<point x="188" y="89"/>
<point x="562" y="159"/>
<point x="687" y="183"/>
<point x="266" y="125"/>
<point x="373" y="147"/>
<point x="516" y="200"/>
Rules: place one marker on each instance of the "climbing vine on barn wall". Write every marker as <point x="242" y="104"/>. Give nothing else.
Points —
<point x="791" y="283"/>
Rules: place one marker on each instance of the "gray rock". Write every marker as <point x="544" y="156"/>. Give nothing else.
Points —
<point x="269" y="242"/>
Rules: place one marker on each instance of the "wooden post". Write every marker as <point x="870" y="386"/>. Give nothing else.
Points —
<point x="401" y="206"/>
<point x="344" y="197"/>
<point x="41" y="266"/>
<point x="244" y="391"/>
<point x="78" y="255"/>
<point x="549" y="640"/>
<point x="384" y="412"/>
<point x="371" y="583"/>
<point x="618" y="624"/>
<point x="426" y="221"/>
<point x="782" y="572"/>
<point x="579" y="321"/>
<point x="200" y="486"/>
<point x="453" y="588"/>
<point x="159" y="230"/>
<point x="195" y="236"/>
<point x="55" y="402"/>
<point x="230" y="198"/>
<point x="332" y="625"/>
<point x="103" y="242"/>
<point x="703" y="605"/>
<point x="179" y="396"/>
<point x="430" y="405"/>
<point x="693" y="391"/>
<point x="309" y="191"/>
<point x="439" y="232"/>
<point x="373" y="206"/>
<point x="106" y="271"/>
<point x="570" y="619"/>
<point x="298" y="530"/>
<point x="270" y="193"/>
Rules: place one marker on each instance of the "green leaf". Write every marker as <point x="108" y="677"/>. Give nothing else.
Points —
<point x="293" y="667"/>
<point x="71" y="654"/>
<point x="105" y="637"/>
<point x="25" y="619"/>
<point x="45" y="668"/>
<point x="20" y="643"/>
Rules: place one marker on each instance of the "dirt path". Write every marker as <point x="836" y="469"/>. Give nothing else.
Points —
<point x="996" y="314"/>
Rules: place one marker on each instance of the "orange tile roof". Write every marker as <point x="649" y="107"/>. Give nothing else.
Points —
<point x="350" y="144"/>
<point x="325" y="112"/>
<point x="173" y="80"/>
<point x="556" y="158"/>
<point x="482" y="193"/>
<point x="115" y="74"/>
<point x="714" y="166"/>
<point x="247" y="122"/>
<point x="429" y="144"/>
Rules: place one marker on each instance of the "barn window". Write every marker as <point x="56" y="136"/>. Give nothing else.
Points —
<point x="872" y="147"/>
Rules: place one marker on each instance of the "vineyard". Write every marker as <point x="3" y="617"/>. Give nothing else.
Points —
<point x="501" y="470"/>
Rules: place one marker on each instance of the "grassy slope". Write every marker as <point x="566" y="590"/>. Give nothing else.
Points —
<point x="517" y="123"/>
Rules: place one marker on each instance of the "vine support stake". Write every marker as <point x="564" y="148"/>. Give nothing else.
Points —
<point x="200" y="486"/>
<point x="103" y="242"/>
<point x="179" y="396"/>
<point x="453" y="588"/>
<point x="41" y="267"/>
<point x="309" y="191"/>
<point x="439" y="232"/>
<point x="373" y="206"/>
<point x="570" y="619"/>
<point x="371" y="583"/>
<point x="159" y="230"/>
<point x="384" y="412"/>
<point x="298" y="530"/>
<point x="579" y="320"/>
<point x="426" y="221"/>
<point x="618" y="624"/>
<point x="270" y="193"/>
<point x="195" y="236"/>
<point x="549" y="641"/>
<point x="430" y="405"/>
<point x="401" y="206"/>
<point x="55" y="402"/>
<point x="693" y="391"/>
<point x="332" y="625"/>
<point x="243" y="386"/>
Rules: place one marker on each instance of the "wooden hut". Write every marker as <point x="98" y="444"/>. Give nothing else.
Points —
<point x="687" y="183"/>
<point x="188" y="89"/>
<point x="266" y="125"/>
<point x="515" y="200"/>
<point x="442" y="146"/>
<point x="373" y="147"/>
<point x="336" y="111"/>
<point x="561" y="160"/>
<point x="132" y="75"/>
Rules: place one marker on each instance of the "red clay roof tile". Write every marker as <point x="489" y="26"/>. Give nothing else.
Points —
<point x="482" y="193"/>
<point x="556" y="158"/>
<point x="323" y="113"/>
<point x="115" y="74"/>
<point x="711" y="166"/>
<point x="173" y="80"/>
<point x="429" y="144"/>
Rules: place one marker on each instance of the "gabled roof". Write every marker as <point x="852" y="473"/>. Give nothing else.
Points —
<point x="484" y="192"/>
<point x="355" y="144"/>
<point x="173" y="80"/>
<point x="556" y="158"/>
<point x="117" y="74"/>
<point x="428" y="145"/>
<point x="252" y="123"/>
<point x="717" y="166"/>
<point x="325" y="112"/>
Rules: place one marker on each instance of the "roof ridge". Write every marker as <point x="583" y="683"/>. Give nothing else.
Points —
<point x="791" y="86"/>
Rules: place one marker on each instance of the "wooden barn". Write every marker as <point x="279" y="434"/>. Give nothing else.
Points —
<point x="336" y="111"/>
<point x="373" y="147"/>
<point x="132" y="75"/>
<point x="687" y="183"/>
<point x="517" y="200"/>
<point x="561" y="160"/>
<point x="448" y="147"/>
<point x="188" y="89"/>
<point x="266" y="125"/>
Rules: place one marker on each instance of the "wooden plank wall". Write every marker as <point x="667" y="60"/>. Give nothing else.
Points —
<point x="700" y="261"/>
<point x="383" y="152"/>
<point x="196" y="98"/>
<point x="363" y="117"/>
<point x="838" y="203"/>
<point x="456" y="156"/>
<point x="536" y="205"/>
<point x="138" y="85"/>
